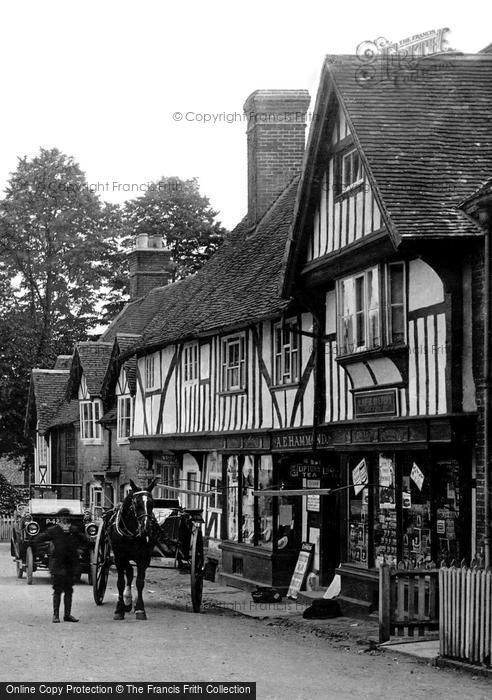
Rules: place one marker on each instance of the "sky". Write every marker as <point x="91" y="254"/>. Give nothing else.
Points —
<point x="102" y="80"/>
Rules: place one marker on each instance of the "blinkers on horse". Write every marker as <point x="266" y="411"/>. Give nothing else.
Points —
<point x="132" y="536"/>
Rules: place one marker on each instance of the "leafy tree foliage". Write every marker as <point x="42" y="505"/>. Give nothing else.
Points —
<point x="175" y="209"/>
<point x="10" y="496"/>
<point x="57" y="248"/>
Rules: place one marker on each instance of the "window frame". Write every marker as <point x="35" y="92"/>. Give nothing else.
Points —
<point x="122" y="417"/>
<point x="389" y="305"/>
<point x="286" y="349"/>
<point x="191" y="364"/>
<point x="149" y="377"/>
<point x="354" y="183"/>
<point x="227" y="369"/>
<point x="356" y="314"/>
<point x="95" y="438"/>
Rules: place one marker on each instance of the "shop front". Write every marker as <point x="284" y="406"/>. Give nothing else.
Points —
<point x="406" y="500"/>
<point x="262" y="535"/>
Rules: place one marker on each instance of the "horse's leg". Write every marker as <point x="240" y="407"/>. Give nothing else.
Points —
<point x="127" y="593"/>
<point x="140" y="582"/>
<point x="119" y="613"/>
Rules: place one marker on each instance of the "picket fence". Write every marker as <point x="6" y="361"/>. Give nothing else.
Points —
<point x="6" y="523"/>
<point x="465" y="619"/>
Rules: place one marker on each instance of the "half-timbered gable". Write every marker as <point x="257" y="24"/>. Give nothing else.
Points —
<point x="381" y="242"/>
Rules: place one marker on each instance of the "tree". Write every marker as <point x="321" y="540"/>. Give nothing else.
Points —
<point x="175" y="209"/>
<point x="58" y="244"/>
<point x="11" y="496"/>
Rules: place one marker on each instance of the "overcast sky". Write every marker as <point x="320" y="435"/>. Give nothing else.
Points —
<point x="102" y="79"/>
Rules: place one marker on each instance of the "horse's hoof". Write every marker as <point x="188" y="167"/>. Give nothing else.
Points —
<point x="140" y="615"/>
<point x="118" y="616"/>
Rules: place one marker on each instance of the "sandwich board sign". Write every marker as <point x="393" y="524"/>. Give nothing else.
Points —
<point x="300" y="572"/>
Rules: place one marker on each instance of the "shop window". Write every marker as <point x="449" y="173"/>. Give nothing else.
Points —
<point x="233" y="362"/>
<point x="190" y="363"/>
<point x="385" y="513"/>
<point x="287" y="359"/>
<point x="124" y="418"/>
<point x="90" y="428"/>
<point x="168" y="476"/>
<point x="215" y="500"/>
<point x="249" y="517"/>
<point x="192" y="484"/>
<point x="265" y="503"/>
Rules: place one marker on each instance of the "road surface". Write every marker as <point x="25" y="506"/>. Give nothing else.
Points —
<point x="175" y="644"/>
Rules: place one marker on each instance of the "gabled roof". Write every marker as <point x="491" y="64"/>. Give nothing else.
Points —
<point x="426" y="143"/>
<point x="46" y="393"/>
<point x="237" y="286"/>
<point x="91" y="359"/>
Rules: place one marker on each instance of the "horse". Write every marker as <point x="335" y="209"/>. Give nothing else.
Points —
<point x="132" y="533"/>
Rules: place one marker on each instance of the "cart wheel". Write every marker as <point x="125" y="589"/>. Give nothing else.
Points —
<point x="197" y="560"/>
<point x="19" y="568"/>
<point x="100" y="565"/>
<point x="29" y="565"/>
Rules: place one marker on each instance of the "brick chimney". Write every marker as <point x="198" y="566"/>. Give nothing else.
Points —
<point x="150" y="265"/>
<point x="276" y="137"/>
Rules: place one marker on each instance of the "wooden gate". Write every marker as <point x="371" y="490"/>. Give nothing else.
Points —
<point x="408" y="602"/>
<point x="466" y="614"/>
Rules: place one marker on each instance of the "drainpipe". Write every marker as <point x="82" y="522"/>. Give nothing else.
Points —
<point x="485" y="221"/>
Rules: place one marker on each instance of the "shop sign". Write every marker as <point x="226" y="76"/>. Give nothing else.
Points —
<point x="313" y="503"/>
<point x="309" y="469"/>
<point x="375" y="403"/>
<point x="301" y="570"/>
<point x="292" y="441"/>
<point x="166" y="460"/>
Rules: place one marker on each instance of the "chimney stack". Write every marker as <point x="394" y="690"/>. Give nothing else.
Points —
<point x="150" y="265"/>
<point x="276" y="139"/>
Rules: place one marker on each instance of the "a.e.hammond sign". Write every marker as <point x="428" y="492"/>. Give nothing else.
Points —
<point x="295" y="440"/>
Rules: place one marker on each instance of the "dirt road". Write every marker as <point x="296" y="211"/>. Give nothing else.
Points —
<point x="175" y="644"/>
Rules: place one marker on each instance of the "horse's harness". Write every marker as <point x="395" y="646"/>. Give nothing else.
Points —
<point x="118" y="520"/>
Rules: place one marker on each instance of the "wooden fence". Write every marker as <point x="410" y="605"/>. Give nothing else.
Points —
<point x="6" y="523"/>
<point x="408" y="602"/>
<point x="466" y="614"/>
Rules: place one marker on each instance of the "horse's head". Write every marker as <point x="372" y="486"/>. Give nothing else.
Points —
<point x="142" y="505"/>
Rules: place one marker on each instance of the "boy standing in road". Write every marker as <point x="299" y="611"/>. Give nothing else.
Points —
<point x="66" y="539"/>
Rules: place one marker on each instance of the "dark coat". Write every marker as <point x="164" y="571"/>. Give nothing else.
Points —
<point x="65" y="559"/>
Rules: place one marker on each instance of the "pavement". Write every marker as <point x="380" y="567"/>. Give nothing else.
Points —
<point x="342" y="631"/>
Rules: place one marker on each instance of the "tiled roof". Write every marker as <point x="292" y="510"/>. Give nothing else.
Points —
<point x="48" y="387"/>
<point x="426" y="141"/>
<point x="238" y="285"/>
<point x="94" y="359"/>
<point x="68" y="412"/>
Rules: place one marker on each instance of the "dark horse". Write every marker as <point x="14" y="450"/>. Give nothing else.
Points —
<point x="132" y="535"/>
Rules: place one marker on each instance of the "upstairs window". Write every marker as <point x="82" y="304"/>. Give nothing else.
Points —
<point x="234" y="363"/>
<point x="287" y="353"/>
<point x="90" y="428"/>
<point x="190" y="363"/>
<point x="358" y="316"/>
<point x="149" y="372"/>
<point x="351" y="170"/>
<point x="395" y="303"/>
<point x="124" y="418"/>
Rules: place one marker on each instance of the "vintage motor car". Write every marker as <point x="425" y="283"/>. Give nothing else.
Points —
<point x="36" y="517"/>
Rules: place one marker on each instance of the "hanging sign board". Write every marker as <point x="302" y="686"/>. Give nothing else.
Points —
<point x="417" y="476"/>
<point x="302" y="567"/>
<point x="359" y="476"/>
